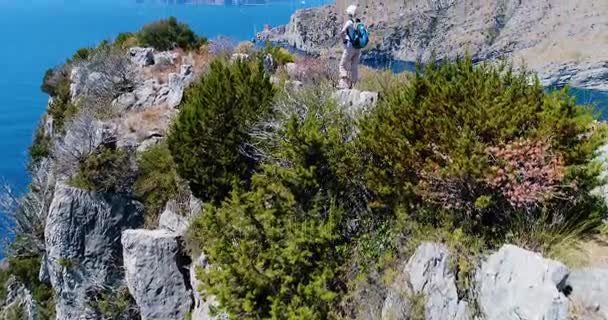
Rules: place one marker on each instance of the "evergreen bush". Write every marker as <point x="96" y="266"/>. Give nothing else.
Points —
<point x="158" y="181"/>
<point x="108" y="169"/>
<point x="209" y="139"/>
<point x="452" y="140"/>
<point x="168" y="34"/>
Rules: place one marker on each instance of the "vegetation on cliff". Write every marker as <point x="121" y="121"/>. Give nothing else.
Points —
<point x="474" y="155"/>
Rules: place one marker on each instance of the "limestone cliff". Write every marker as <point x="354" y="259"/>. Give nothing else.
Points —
<point x="564" y="41"/>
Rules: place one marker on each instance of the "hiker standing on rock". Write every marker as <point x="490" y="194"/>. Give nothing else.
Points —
<point x="354" y="38"/>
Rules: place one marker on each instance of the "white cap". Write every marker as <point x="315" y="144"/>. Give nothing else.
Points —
<point x="351" y="10"/>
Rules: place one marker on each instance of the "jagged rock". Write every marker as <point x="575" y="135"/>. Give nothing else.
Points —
<point x="356" y="100"/>
<point x="588" y="76"/>
<point x="426" y="273"/>
<point x="518" y="284"/>
<point x="43" y="273"/>
<point x="18" y="297"/>
<point x="171" y="221"/>
<point x="125" y="101"/>
<point x="202" y="304"/>
<point x="146" y="94"/>
<point x="177" y="85"/>
<point x="77" y="81"/>
<point x="142" y="56"/>
<point x="589" y="290"/>
<point x="82" y="236"/>
<point x="165" y="58"/>
<point x="156" y="270"/>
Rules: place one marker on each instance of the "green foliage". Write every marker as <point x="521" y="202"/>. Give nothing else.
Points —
<point x="4" y="275"/>
<point x="26" y="269"/>
<point x="381" y="80"/>
<point x="280" y="55"/>
<point x="56" y="83"/>
<point x="108" y="169"/>
<point x="41" y="146"/>
<point x="208" y="139"/>
<point x="428" y="145"/>
<point x="82" y="54"/>
<point x="114" y="304"/>
<point x="275" y="251"/>
<point x="168" y="34"/>
<point x="158" y="181"/>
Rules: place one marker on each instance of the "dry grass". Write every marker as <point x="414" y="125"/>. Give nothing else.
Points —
<point x="156" y="119"/>
<point x="381" y="80"/>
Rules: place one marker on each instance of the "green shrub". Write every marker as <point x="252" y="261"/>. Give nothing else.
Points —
<point x="114" y="303"/>
<point x="280" y="55"/>
<point x="41" y="146"/>
<point x="168" y="34"/>
<point x="26" y="270"/>
<point x="208" y="140"/>
<point x="275" y="251"/>
<point x="158" y="181"/>
<point x="458" y="139"/>
<point x="108" y="169"/>
<point x="82" y="54"/>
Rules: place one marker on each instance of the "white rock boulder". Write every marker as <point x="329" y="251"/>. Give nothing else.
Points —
<point x="518" y="284"/>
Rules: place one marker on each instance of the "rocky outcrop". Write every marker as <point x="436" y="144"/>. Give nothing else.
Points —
<point x="538" y="32"/>
<point x="157" y="273"/>
<point x="142" y="56"/>
<point x="355" y="100"/>
<point x="426" y="279"/>
<point x="153" y="93"/>
<point x="171" y="221"/>
<point x="514" y="283"/>
<point x="84" y="253"/>
<point x="589" y="291"/>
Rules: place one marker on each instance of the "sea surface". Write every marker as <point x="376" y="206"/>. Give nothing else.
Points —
<point x="38" y="34"/>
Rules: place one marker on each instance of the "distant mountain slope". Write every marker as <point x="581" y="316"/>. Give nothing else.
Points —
<point x="565" y="41"/>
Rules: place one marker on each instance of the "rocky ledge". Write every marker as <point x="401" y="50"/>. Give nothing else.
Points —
<point x="540" y="33"/>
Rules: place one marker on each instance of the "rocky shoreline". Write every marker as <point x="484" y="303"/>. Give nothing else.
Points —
<point x="537" y="34"/>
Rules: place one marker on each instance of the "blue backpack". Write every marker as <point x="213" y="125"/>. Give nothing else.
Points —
<point x="360" y="36"/>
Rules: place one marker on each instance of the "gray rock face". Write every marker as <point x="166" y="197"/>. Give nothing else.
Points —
<point x="157" y="275"/>
<point x="171" y="221"/>
<point x="590" y="290"/>
<point x="83" y="248"/>
<point x="426" y="275"/>
<point x="142" y="56"/>
<point x="537" y="32"/>
<point x="356" y="100"/>
<point x="518" y="284"/>
<point x="177" y="85"/>
<point x="152" y="93"/>
<point x="165" y="58"/>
